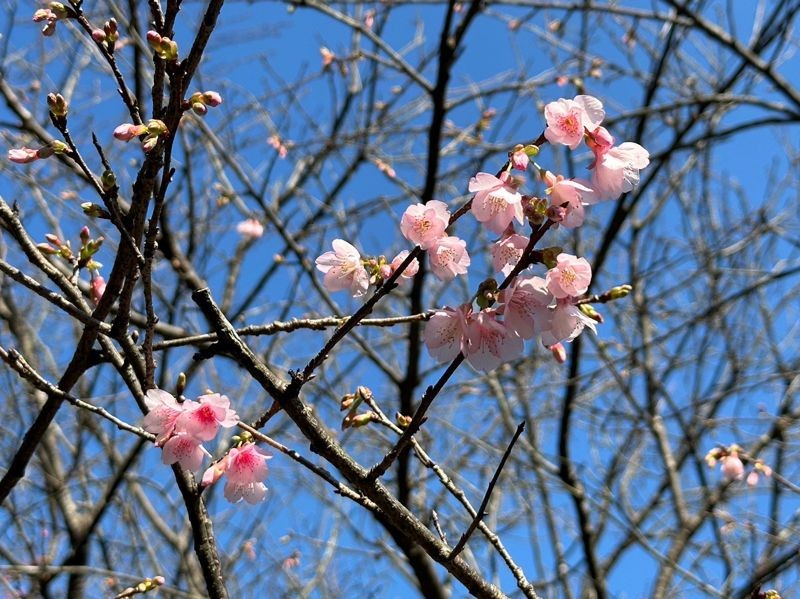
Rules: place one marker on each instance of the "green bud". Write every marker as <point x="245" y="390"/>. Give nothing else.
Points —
<point x="550" y="254"/>
<point x="180" y="386"/>
<point x="59" y="147"/>
<point x="589" y="310"/>
<point x="531" y="150"/>
<point x="620" y="291"/>
<point x="94" y="210"/>
<point x="57" y="105"/>
<point x="108" y="180"/>
<point x="402" y="420"/>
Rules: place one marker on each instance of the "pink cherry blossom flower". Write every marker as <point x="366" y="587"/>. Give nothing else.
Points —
<point x="202" y="418"/>
<point x="98" y="287"/>
<point x="327" y="57"/>
<point x="570" y="277"/>
<point x="526" y="306"/>
<point x="568" y="119"/>
<point x="410" y="270"/>
<point x="448" y="257"/>
<point x="245" y="468"/>
<point x="250" y="229"/>
<point x="507" y="251"/>
<point x="568" y="195"/>
<point x="424" y="224"/>
<point x="183" y="449"/>
<point x="445" y="333"/>
<point x="732" y="466"/>
<point x="615" y="169"/>
<point x="163" y="412"/>
<point x="496" y="203"/>
<point x="343" y="269"/>
<point x="566" y="323"/>
<point x="489" y="342"/>
<point x="23" y="155"/>
<point x="128" y="131"/>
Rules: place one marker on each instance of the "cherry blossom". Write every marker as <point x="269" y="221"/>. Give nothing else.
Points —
<point x="568" y="119"/>
<point x="202" y="418"/>
<point x="250" y="229"/>
<point x="566" y="194"/>
<point x="570" y="277"/>
<point x="163" y="412"/>
<point x="410" y="270"/>
<point x="732" y="466"/>
<point x="615" y="169"/>
<point x="507" y="251"/>
<point x="496" y="202"/>
<point x="424" y="224"/>
<point x="343" y="269"/>
<point x="489" y="342"/>
<point x="566" y="323"/>
<point x="445" y="333"/>
<point x="448" y="257"/>
<point x="526" y="306"/>
<point x="23" y="155"/>
<point x="244" y="467"/>
<point x="184" y="449"/>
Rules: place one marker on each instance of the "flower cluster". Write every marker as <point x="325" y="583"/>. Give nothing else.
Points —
<point x="527" y="306"/>
<point x="165" y="48"/>
<point x="200" y="102"/>
<point x="152" y="132"/>
<point x="733" y="467"/>
<point x="181" y="427"/>
<point x="530" y="306"/>
<point x="344" y="268"/>
<point x="55" y="11"/>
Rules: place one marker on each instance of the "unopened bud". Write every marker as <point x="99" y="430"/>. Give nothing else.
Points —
<point x="347" y="401"/>
<point x="98" y="289"/>
<point x="559" y="352"/>
<point x="358" y="420"/>
<point x="108" y="180"/>
<point x="156" y="127"/>
<point x="363" y="393"/>
<point x="531" y="150"/>
<point x="180" y="386"/>
<point x="98" y="35"/>
<point x="153" y="38"/>
<point x="94" y="210"/>
<point x="402" y="420"/>
<point x="110" y="29"/>
<point x="550" y="254"/>
<point x="47" y="249"/>
<point x="84" y="234"/>
<point x="199" y="108"/>
<point x="487" y="293"/>
<point x="149" y="142"/>
<point x="59" y="9"/>
<point x="53" y="239"/>
<point x="620" y="291"/>
<point x="57" y="104"/>
<point x="589" y="310"/>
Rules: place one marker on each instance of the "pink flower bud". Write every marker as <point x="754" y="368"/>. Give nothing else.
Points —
<point x="149" y="142"/>
<point x="23" y="155"/>
<point x="520" y="159"/>
<point x="732" y="467"/>
<point x="84" y="234"/>
<point x="98" y="35"/>
<point x="559" y="353"/>
<point x="752" y="478"/>
<point x="98" y="288"/>
<point x="199" y="108"/>
<point x="212" y="99"/>
<point x="153" y="37"/>
<point x="127" y="131"/>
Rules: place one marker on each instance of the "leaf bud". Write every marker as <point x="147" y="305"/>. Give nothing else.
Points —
<point x="57" y="104"/>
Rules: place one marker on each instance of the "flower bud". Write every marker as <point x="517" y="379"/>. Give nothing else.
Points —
<point x="589" y="310"/>
<point x="347" y="401"/>
<point x="199" y="108"/>
<point x="108" y="180"/>
<point x="180" y="386"/>
<point x="57" y="104"/>
<point x="531" y="150"/>
<point x="212" y="98"/>
<point x="84" y="234"/>
<point x="58" y="9"/>
<point x="98" y="288"/>
<point x="53" y="239"/>
<point x="402" y="420"/>
<point x="550" y="255"/>
<point x="47" y="249"/>
<point x="149" y="142"/>
<point x="98" y="35"/>
<point x="156" y="127"/>
<point x="357" y="420"/>
<point x="620" y="291"/>
<point x="559" y="353"/>
<point x="110" y="30"/>
<point x="94" y="210"/>
<point x="154" y="39"/>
